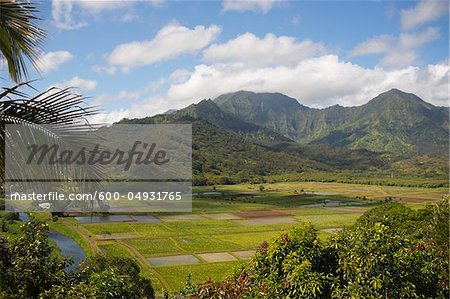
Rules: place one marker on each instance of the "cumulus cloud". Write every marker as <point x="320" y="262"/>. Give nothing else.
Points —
<point x="319" y="82"/>
<point x="179" y="75"/>
<point x="251" y="50"/>
<point x="51" y="61"/>
<point x="77" y="82"/>
<point x="400" y="51"/>
<point x="316" y="82"/>
<point x="109" y="117"/>
<point x="425" y="11"/>
<point x="171" y="41"/>
<point x="263" y="6"/>
<point x="138" y="109"/>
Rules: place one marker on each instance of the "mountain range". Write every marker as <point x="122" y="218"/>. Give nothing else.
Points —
<point x="394" y="121"/>
<point x="243" y="133"/>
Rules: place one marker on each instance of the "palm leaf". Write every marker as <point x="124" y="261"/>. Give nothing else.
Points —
<point x="59" y="116"/>
<point x="19" y="36"/>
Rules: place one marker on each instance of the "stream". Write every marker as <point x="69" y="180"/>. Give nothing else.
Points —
<point x="67" y="246"/>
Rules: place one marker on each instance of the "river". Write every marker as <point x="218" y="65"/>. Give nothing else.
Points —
<point x="67" y="246"/>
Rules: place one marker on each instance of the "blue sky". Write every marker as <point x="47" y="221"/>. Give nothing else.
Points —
<point x="140" y="58"/>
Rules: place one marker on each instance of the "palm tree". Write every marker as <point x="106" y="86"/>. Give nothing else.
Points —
<point x="20" y="37"/>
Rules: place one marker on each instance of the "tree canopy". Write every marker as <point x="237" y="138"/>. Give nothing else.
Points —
<point x="391" y="252"/>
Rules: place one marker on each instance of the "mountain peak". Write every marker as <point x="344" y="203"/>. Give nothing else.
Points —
<point x="265" y="101"/>
<point x="398" y="98"/>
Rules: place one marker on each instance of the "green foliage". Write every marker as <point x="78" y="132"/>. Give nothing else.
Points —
<point x="296" y="265"/>
<point x="115" y="277"/>
<point x="390" y="252"/>
<point x="234" y="142"/>
<point x="394" y="121"/>
<point x="379" y="262"/>
<point x="29" y="268"/>
<point x="27" y="264"/>
<point x="11" y="216"/>
<point x="78" y="291"/>
<point x="19" y="36"/>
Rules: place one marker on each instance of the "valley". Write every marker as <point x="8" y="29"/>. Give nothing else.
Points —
<point x="228" y="224"/>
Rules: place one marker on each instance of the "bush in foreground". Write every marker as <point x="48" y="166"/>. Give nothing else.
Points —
<point x="391" y="252"/>
<point x="29" y="268"/>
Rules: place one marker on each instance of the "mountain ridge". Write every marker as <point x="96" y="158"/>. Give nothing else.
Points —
<point x="227" y="148"/>
<point x="393" y="121"/>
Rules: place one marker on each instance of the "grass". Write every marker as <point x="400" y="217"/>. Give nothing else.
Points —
<point x="198" y="244"/>
<point x="153" y="230"/>
<point x="209" y="235"/>
<point x="347" y="190"/>
<point x="249" y="240"/>
<point x="176" y="276"/>
<point x="331" y="221"/>
<point x="113" y="228"/>
<point x="149" y="247"/>
<point x="113" y="249"/>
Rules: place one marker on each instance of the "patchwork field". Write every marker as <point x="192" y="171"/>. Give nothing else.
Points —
<point x="228" y="224"/>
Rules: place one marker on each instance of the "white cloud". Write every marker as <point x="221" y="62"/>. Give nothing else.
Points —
<point x="315" y="82"/>
<point x="123" y="95"/>
<point x="139" y="109"/>
<point x="179" y="76"/>
<point x="425" y="11"/>
<point x="318" y="82"/>
<point x="171" y="41"/>
<point x="156" y="86"/>
<point x="262" y="6"/>
<point x="376" y="45"/>
<point x="251" y="50"/>
<point x="51" y="61"/>
<point x="405" y="52"/>
<point x="67" y="13"/>
<point x="399" y="51"/>
<point x="62" y="15"/>
<point x="415" y="40"/>
<point x="100" y="69"/>
<point x="109" y="117"/>
<point x="77" y="82"/>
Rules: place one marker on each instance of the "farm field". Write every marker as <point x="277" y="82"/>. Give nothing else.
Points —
<point x="228" y="223"/>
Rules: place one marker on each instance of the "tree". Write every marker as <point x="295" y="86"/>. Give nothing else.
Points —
<point x="115" y="277"/>
<point x="20" y="37"/>
<point x="29" y="268"/>
<point x="28" y="265"/>
<point x="391" y="252"/>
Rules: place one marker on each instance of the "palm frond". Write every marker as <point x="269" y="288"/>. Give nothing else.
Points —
<point x="54" y="116"/>
<point x="20" y="37"/>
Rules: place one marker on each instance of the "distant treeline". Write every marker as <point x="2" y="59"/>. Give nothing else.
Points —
<point x="326" y="177"/>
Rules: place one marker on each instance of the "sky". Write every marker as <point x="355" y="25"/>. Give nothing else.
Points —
<point x="139" y="58"/>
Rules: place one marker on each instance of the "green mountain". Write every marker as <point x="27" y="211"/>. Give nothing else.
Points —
<point x="209" y="111"/>
<point x="239" y="138"/>
<point x="394" y="121"/>
<point x="274" y="111"/>
<point x="223" y="154"/>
